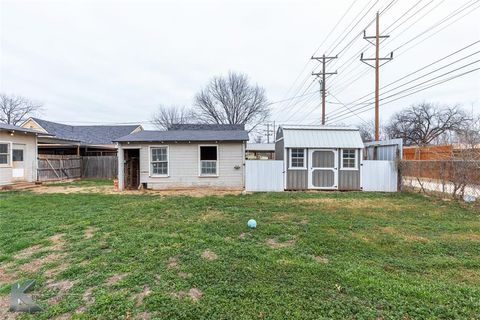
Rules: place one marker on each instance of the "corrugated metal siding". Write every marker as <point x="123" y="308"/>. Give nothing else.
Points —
<point x="379" y="175"/>
<point x="296" y="179"/>
<point x="265" y="175"/>
<point x="388" y="150"/>
<point x="323" y="178"/>
<point x="317" y="138"/>
<point x="349" y="179"/>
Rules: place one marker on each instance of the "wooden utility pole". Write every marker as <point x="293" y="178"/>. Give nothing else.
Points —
<point x="377" y="66"/>
<point x="323" y="59"/>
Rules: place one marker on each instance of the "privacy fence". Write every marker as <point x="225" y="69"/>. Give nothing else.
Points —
<point x="456" y="178"/>
<point x="61" y="167"/>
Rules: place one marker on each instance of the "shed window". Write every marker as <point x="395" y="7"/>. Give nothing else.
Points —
<point x="159" y="161"/>
<point x="297" y="158"/>
<point x="349" y="158"/>
<point x="17" y="155"/>
<point x="4" y="153"/>
<point x="208" y="160"/>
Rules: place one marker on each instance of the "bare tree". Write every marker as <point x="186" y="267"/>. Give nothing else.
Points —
<point x="367" y="131"/>
<point x="425" y="123"/>
<point x="166" y="116"/>
<point x="16" y="109"/>
<point x="232" y="100"/>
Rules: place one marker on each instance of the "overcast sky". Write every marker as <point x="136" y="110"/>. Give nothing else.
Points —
<point x="116" y="61"/>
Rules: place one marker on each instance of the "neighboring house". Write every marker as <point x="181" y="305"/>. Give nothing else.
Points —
<point x="63" y="139"/>
<point x="184" y="156"/>
<point x="320" y="157"/>
<point x="18" y="154"/>
<point x="260" y="151"/>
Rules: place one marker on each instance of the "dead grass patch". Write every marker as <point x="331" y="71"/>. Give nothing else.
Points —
<point x="61" y="287"/>
<point x="144" y="315"/>
<point x="209" y="255"/>
<point x="35" y="265"/>
<point x="27" y="252"/>
<point x="89" y="232"/>
<point x="320" y="259"/>
<point x="274" y="244"/>
<point x="116" y="278"/>
<point x="5" y="275"/>
<point x="212" y="214"/>
<point x="172" y="262"/>
<point x="466" y="236"/>
<point x="402" y="234"/>
<point x="194" y="293"/>
<point x="184" y="275"/>
<point x="56" y="270"/>
<point x="330" y="203"/>
<point x="87" y="299"/>
<point x="139" y="298"/>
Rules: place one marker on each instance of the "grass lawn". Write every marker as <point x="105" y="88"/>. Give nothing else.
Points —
<point x="313" y="256"/>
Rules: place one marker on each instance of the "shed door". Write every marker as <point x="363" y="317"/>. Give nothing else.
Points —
<point x="323" y="169"/>
<point x="18" y="161"/>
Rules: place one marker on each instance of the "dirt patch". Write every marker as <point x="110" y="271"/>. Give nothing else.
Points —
<point x="274" y="244"/>
<point x="184" y="275"/>
<point x="243" y="235"/>
<point x="27" y="252"/>
<point x="5" y="276"/>
<point x="401" y="234"/>
<point x="35" y="265"/>
<point x="4" y="306"/>
<point x="194" y="293"/>
<point x="61" y="287"/>
<point x="64" y="316"/>
<point x="116" y="278"/>
<point x="57" y="242"/>
<point x="172" y="262"/>
<point x="88" y="300"/>
<point x="89" y="232"/>
<point x="144" y="316"/>
<point x="209" y="255"/>
<point x="320" y="259"/>
<point x="56" y="270"/>
<point x="139" y="298"/>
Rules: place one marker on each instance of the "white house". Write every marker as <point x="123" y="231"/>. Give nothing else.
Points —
<point x="18" y="154"/>
<point x="184" y="156"/>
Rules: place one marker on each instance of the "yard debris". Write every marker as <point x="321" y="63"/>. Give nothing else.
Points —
<point x="139" y="298"/>
<point x="116" y="278"/>
<point x="194" y="293"/>
<point x="274" y="244"/>
<point x="209" y="255"/>
<point x="172" y="262"/>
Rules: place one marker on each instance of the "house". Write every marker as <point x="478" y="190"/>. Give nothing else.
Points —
<point x="62" y="139"/>
<point x="18" y="154"/>
<point x="320" y="157"/>
<point x="184" y="156"/>
<point x="260" y="151"/>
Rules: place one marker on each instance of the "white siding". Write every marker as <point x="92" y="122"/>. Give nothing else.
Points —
<point x="184" y="166"/>
<point x="29" y="156"/>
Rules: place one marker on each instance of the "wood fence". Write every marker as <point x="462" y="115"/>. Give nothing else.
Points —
<point x="99" y="167"/>
<point x="62" y="167"/>
<point x="58" y="167"/>
<point x="449" y="170"/>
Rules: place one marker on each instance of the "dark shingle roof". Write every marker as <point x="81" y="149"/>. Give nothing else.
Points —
<point x="212" y="127"/>
<point x="4" y="126"/>
<point x="186" y="135"/>
<point x="94" y="135"/>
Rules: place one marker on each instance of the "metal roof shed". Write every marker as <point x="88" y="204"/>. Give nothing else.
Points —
<point x="320" y="157"/>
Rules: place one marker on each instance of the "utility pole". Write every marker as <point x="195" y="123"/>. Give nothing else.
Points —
<point x="323" y="59"/>
<point x="377" y="66"/>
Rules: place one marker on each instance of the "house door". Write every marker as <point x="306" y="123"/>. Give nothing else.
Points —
<point x="132" y="168"/>
<point x="18" y="162"/>
<point x="323" y="169"/>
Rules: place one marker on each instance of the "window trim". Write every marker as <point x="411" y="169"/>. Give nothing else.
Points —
<point x="150" y="173"/>
<point x="356" y="160"/>
<point x="9" y="155"/>
<point x="290" y="159"/>
<point x="200" y="162"/>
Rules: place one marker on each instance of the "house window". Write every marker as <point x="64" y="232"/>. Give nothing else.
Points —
<point x="4" y="153"/>
<point x="17" y="155"/>
<point x="297" y="158"/>
<point x="349" y="159"/>
<point x="208" y="160"/>
<point x="159" y="161"/>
